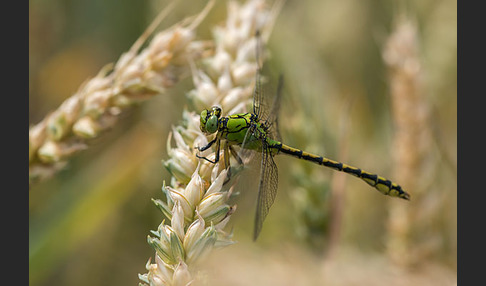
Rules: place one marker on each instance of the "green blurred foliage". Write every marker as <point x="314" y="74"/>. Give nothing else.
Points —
<point x="88" y="224"/>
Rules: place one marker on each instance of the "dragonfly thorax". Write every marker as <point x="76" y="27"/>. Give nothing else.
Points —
<point x="209" y="120"/>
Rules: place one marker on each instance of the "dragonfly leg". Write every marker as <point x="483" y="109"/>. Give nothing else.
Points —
<point x="216" y="159"/>
<point x="226" y="155"/>
<point x="200" y="149"/>
<point x="227" y="149"/>
<point x="235" y="154"/>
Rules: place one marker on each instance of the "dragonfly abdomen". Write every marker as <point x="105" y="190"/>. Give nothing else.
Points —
<point x="383" y="185"/>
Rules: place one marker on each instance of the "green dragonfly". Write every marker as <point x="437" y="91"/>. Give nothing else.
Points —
<point x="258" y="131"/>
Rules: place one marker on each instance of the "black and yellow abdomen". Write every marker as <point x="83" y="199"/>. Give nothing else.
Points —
<point x="383" y="185"/>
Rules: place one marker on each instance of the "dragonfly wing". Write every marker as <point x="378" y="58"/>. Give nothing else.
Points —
<point x="257" y="94"/>
<point x="267" y="190"/>
<point x="272" y="120"/>
<point x="244" y="153"/>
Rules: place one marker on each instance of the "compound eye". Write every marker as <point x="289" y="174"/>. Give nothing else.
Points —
<point x="203" y="120"/>
<point x="212" y="124"/>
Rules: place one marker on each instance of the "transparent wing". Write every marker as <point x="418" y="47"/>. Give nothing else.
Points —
<point x="267" y="190"/>
<point x="257" y="91"/>
<point x="267" y="114"/>
<point x="272" y="120"/>
<point x="244" y="153"/>
<point x="257" y="94"/>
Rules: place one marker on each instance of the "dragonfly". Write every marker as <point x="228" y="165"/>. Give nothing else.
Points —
<point x="258" y="131"/>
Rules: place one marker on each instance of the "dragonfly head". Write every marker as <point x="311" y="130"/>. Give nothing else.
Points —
<point x="210" y="119"/>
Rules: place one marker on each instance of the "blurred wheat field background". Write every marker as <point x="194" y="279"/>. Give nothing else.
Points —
<point x="369" y="83"/>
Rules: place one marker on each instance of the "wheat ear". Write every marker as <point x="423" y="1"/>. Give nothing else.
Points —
<point x="137" y="76"/>
<point x="197" y="201"/>
<point x="410" y="116"/>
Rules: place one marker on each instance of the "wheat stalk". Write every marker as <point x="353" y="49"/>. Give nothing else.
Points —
<point x="197" y="202"/>
<point x="137" y="76"/>
<point x="411" y="137"/>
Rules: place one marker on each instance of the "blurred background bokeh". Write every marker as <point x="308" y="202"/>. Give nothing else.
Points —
<point x="89" y="223"/>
